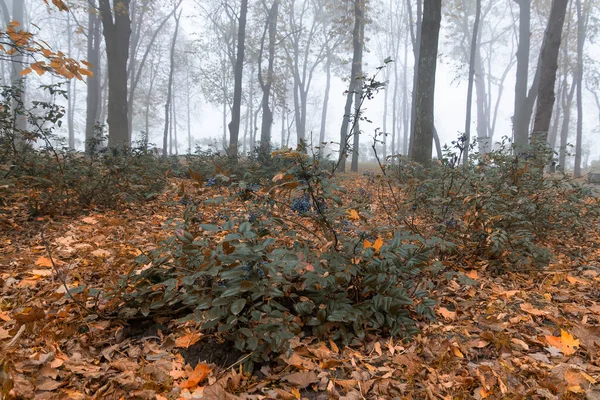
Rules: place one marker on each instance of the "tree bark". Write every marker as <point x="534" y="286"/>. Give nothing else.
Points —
<point x="548" y="68"/>
<point x="325" y="105"/>
<point x="471" y="81"/>
<point x="117" y="31"/>
<point x="234" y="124"/>
<point x="416" y="44"/>
<point x="92" y="118"/>
<point x="580" y="44"/>
<point x="360" y="6"/>
<point x="267" y="113"/>
<point x="354" y="83"/>
<point x="170" y="85"/>
<point x="520" y="123"/>
<point x="424" y="117"/>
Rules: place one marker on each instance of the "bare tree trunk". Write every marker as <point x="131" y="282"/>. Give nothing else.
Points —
<point x="564" y="131"/>
<point x="70" y="90"/>
<point x="405" y="115"/>
<point x="520" y="123"/>
<point x="359" y="84"/>
<point x="234" y="125"/>
<point x="424" y="121"/>
<point x="267" y="113"/>
<point x="93" y="82"/>
<point x="17" y="67"/>
<point x="117" y="31"/>
<point x="385" y="114"/>
<point x="548" y="68"/>
<point x="354" y="83"/>
<point x="471" y="79"/>
<point x="174" y="118"/>
<point x="170" y="85"/>
<point x="416" y="44"/>
<point x="580" y="44"/>
<point x="325" y="105"/>
<point x="189" y="112"/>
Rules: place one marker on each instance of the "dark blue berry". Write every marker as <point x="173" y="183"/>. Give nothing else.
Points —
<point x="211" y="182"/>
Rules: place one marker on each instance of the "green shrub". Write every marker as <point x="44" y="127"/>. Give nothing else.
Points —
<point x="59" y="180"/>
<point x="500" y="207"/>
<point x="258" y="284"/>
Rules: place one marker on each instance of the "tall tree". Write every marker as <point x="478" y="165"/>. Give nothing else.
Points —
<point x="520" y="120"/>
<point x="548" y="67"/>
<point x="168" y="104"/>
<point x="117" y="31"/>
<point x="355" y="82"/>
<point x="94" y="38"/>
<point x="358" y="91"/>
<point x="424" y="106"/>
<point x="266" y="84"/>
<point x="472" y="59"/>
<point x="581" y="32"/>
<point x="234" y="124"/>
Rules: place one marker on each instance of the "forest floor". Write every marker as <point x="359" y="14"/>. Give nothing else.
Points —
<point x="532" y="334"/>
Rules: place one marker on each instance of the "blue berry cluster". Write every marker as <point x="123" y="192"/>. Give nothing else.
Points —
<point x="254" y="187"/>
<point x="187" y="200"/>
<point x="302" y="204"/>
<point x="211" y="182"/>
<point x="254" y="269"/>
<point x="254" y="216"/>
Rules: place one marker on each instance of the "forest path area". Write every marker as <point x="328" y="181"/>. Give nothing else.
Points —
<point x="533" y="334"/>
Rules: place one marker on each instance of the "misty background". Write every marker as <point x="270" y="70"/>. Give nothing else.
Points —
<point x="203" y="69"/>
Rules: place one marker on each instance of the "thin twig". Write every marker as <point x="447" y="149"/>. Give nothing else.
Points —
<point x="62" y="279"/>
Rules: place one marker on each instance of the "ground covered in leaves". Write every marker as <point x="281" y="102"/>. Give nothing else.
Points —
<point x="527" y="334"/>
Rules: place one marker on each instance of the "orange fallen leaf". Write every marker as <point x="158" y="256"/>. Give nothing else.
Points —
<point x="473" y="275"/>
<point x="90" y="220"/>
<point x="187" y="340"/>
<point x="354" y="215"/>
<point x="457" y="352"/>
<point x="378" y="243"/>
<point x="43" y="262"/>
<point x="566" y="343"/>
<point x="447" y="314"/>
<point x="198" y="375"/>
<point x="528" y="308"/>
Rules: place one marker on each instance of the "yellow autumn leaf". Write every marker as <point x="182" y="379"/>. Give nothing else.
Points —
<point x="457" y="352"/>
<point x="566" y="343"/>
<point x="354" y="215"/>
<point x="277" y="177"/>
<point x="569" y="342"/>
<point x="367" y="245"/>
<point x="26" y="71"/>
<point x="378" y="243"/>
<point x="43" y="262"/>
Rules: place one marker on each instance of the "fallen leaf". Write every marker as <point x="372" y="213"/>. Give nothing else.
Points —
<point x="354" y="215"/>
<point x="198" y="375"/>
<point x="528" y="308"/>
<point x="100" y="253"/>
<point x="43" y="262"/>
<point x="188" y="340"/>
<point x="302" y="379"/>
<point x="90" y="220"/>
<point x="473" y="275"/>
<point x="30" y="314"/>
<point x="566" y="343"/>
<point x="447" y="314"/>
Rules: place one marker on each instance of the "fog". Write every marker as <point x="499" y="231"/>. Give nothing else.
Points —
<point x="206" y="50"/>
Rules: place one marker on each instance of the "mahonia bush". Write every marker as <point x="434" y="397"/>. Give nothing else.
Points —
<point x="65" y="181"/>
<point x="258" y="283"/>
<point x="499" y="206"/>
